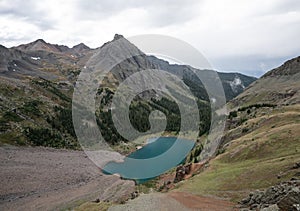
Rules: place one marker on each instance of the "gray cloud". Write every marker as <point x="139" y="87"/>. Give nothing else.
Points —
<point x="161" y="12"/>
<point x="286" y="6"/>
<point x="26" y="10"/>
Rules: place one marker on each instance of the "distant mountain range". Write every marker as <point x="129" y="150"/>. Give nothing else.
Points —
<point x="37" y="82"/>
<point x="52" y="61"/>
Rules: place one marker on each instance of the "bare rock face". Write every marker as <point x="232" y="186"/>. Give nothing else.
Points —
<point x="181" y="171"/>
<point x="285" y="196"/>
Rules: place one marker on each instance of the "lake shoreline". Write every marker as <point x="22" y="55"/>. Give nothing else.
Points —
<point x="154" y="148"/>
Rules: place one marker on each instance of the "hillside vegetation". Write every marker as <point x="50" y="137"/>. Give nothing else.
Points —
<point x="258" y="152"/>
<point x="261" y="142"/>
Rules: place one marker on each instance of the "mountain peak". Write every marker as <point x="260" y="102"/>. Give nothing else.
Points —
<point x="81" y="46"/>
<point x="118" y="36"/>
<point x="3" y="47"/>
<point x="40" y="40"/>
<point x="124" y="42"/>
<point x="38" y="45"/>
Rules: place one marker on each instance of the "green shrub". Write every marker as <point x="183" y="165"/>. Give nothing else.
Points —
<point x="11" y="116"/>
<point x="256" y="106"/>
<point x="233" y="114"/>
<point x="51" y="87"/>
<point x="245" y="130"/>
<point x="31" y="107"/>
<point x="62" y="121"/>
<point x="44" y="137"/>
<point x="48" y="138"/>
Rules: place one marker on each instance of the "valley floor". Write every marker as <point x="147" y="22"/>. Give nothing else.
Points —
<point x="36" y="178"/>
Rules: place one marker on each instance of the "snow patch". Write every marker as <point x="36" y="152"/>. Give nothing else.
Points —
<point x="35" y="58"/>
<point x="236" y="83"/>
<point x="213" y="100"/>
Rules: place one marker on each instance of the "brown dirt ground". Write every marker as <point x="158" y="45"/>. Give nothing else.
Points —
<point x="202" y="203"/>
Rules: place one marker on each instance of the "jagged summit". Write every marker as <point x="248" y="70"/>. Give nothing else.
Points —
<point x="31" y="58"/>
<point x="42" y="45"/>
<point x="123" y="44"/>
<point x="118" y="36"/>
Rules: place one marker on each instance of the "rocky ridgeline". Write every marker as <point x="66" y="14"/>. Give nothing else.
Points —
<point x="289" y="68"/>
<point x="285" y="196"/>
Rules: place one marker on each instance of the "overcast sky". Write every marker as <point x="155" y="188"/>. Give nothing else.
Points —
<point x="248" y="36"/>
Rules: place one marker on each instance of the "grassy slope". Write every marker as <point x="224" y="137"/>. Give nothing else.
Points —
<point x="254" y="159"/>
<point x="91" y="206"/>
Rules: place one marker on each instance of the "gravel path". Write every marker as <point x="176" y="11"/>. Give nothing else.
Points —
<point x="36" y="178"/>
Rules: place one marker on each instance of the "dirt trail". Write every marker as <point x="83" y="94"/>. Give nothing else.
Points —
<point x="46" y="179"/>
<point x="202" y="203"/>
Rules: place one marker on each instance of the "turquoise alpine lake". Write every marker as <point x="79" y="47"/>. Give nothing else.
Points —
<point x="153" y="159"/>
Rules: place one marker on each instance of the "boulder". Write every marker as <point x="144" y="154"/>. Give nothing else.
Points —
<point x="291" y="200"/>
<point x="272" y="207"/>
<point x="285" y="196"/>
<point x="181" y="171"/>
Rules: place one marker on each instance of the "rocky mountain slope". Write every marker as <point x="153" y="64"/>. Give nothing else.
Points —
<point x="37" y="81"/>
<point x="278" y="86"/>
<point x="260" y="146"/>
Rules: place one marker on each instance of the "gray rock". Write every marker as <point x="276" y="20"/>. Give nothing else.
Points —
<point x="273" y="207"/>
<point x="286" y="196"/>
<point x="291" y="200"/>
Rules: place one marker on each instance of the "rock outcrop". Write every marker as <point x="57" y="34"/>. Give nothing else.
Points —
<point x="181" y="171"/>
<point x="285" y="196"/>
